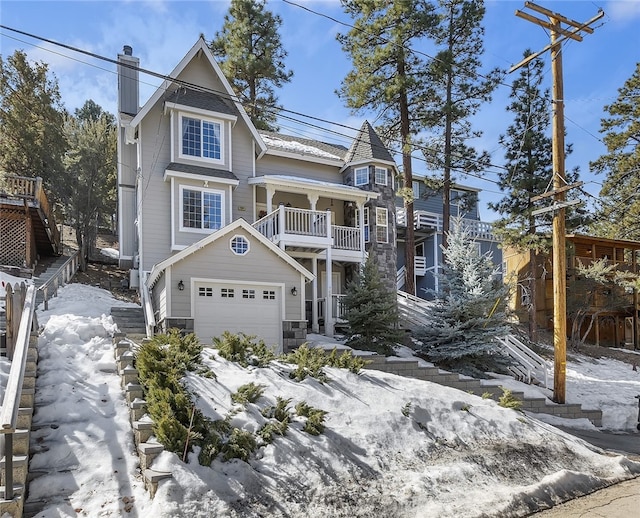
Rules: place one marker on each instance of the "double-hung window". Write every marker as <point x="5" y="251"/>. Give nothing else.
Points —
<point x="202" y="209"/>
<point x="382" y="225"/>
<point x="365" y="217"/>
<point x="201" y="139"/>
<point x="381" y="175"/>
<point x="361" y="175"/>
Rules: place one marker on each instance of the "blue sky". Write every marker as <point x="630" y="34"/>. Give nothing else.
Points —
<point x="161" y="32"/>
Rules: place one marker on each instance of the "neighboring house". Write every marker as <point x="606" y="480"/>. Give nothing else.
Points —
<point x="27" y="228"/>
<point x="427" y="215"/>
<point x="616" y="312"/>
<point x="226" y="227"/>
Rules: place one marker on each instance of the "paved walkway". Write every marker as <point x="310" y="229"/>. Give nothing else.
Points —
<point x="617" y="501"/>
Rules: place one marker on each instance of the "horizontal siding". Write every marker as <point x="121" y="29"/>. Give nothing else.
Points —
<point x="155" y="193"/>
<point x="269" y="164"/>
<point x="217" y="261"/>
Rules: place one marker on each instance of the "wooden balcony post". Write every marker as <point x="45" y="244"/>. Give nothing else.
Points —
<point x="281" y="224"/>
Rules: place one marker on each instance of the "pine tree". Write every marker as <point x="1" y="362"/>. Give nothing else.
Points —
<point x="90" y="182"/>
<point x="252" y="58"/>
<point x="388" y="78"/>
<point x="458" y="90"/>
<point x="371" y="310"/>
<point x="618" y="216"/>
<point x="31" y="119"/>
<point x="528" y="172"/>
<point x="470" y="311"/>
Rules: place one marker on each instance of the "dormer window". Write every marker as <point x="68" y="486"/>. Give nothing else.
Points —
<point x="201" y="138"/>
<point x="361" y="176"/>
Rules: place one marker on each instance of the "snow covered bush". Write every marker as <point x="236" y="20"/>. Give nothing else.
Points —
<point x="243" y="349"/>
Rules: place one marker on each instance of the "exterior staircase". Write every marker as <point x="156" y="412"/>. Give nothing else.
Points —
<point x="130" y="321"/>
<point x="536" y="405"/>
<point x="51" y="271"/>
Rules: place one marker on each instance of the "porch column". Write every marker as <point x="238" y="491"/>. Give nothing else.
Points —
<point x="328" y="307"/>
<point x="313" y="200"/>
<point x="315" y="327"/>
<point x="361" y="225"/>
<point x="270" y="193"/>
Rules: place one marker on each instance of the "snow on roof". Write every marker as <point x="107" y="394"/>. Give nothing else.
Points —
<point x="296" y="147"/>
<point x="317" y="183"/>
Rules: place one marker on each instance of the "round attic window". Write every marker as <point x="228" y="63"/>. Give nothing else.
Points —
<point x="239" y="245"/>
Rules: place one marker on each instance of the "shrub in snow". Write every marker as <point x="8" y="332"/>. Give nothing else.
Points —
<point x="469" y="312"/>
<point x="310" y="361"/>
<point x="314" y="424"/>
<point x="240" y="445"/>
<point x="248" y="393"/>
<point x="508" y="400"/>
<point x="270" y="430"/>
<point x="371" y="311"/>
<point x="243" y="349"/>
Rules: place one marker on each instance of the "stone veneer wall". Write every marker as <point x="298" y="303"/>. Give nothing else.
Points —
<point x="294" y="334"/>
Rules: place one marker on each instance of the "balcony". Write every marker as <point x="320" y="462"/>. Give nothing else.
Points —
<point x="431" y="221"/>
<point x="311" y="230"/>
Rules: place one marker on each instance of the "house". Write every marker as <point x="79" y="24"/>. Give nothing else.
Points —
<point x="225" y="227"/>
<point x="27" y="227"/>
<point x="615" y="310"/>
<point x="428" y="230"/>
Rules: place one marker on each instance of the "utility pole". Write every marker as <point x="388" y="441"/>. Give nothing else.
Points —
<point x="558" y="34"/>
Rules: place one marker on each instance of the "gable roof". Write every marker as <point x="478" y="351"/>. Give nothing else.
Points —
<point x="159" y="268"/>
<point x="200" y="48"/>
<point x="367" y="146"/>
<point x="201" y="99"/>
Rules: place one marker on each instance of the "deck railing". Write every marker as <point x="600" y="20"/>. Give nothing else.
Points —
<point x="30" y="189"/>
<point x="308" y="224"/>
<point x="345" y="238"/>
<point x="423" y="219"/>
<point x="338" y="309"/>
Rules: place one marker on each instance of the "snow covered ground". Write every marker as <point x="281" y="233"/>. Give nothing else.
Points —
<point x="392" y="445"/>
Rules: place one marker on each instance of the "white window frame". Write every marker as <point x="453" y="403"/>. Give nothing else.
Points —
<point x="358" y="180"/>
<point x="366" y="229"/>
<point x="415" y="186"/>
<point x="381" y="180"/>
<point x="238" y="236"/>
<point x="202" y="190"/>
<point x="201" y="158"/>
<point x="382" y="222"/>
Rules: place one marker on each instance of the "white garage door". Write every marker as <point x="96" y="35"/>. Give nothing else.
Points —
<point x="246" y="308"/>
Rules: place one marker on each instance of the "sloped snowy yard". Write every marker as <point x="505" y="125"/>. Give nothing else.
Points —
<point x="392" y="446"/>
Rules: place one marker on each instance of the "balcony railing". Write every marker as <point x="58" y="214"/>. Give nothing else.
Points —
<point x="345" y="238"/>
<point x="304" y="227"/>
<point x="431" y="220"/>
<point x="338" y="309"/>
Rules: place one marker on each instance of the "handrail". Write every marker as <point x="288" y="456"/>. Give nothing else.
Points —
<point x="149" y="317"/>
<point x="531" y="361"/>
<point x="68" y="269"/>
<point x="13" y="392"/>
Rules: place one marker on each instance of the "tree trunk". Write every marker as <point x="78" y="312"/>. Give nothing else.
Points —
<point x="533" y="310"/>
<point x="405" y="135"/>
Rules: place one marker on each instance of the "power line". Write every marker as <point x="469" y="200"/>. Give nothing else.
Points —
<point x="235" y="98"/>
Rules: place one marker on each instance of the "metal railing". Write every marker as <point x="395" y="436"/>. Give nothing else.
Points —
<point x="13" y="392"/>
<point x="530" y="366"/>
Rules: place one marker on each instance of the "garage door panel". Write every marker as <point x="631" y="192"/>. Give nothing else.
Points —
<point x="253" y="310"/>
